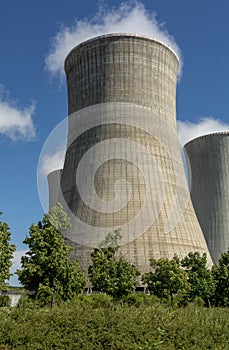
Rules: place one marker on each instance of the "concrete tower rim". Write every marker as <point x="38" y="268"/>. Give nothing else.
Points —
<point x="124" y="35"/>
<point x="207" y="135"/>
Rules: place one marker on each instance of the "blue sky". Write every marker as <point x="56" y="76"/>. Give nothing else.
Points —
<point x="33" y="96"/>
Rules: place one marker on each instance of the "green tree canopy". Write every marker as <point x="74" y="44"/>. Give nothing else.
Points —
<point x="201" y="280"/>
<point x="46" y="267"/>
<point x="220" y="273"/>
<point x="58" y="218"/>
<point x="167" y="279"/>
<point x="6" y="252"/>
<point x="109" y="273"/>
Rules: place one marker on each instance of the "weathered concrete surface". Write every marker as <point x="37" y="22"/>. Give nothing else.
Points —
<point x="208" y="158"/>
<point x="54" y="186"/>
<point x="128" y="76"/>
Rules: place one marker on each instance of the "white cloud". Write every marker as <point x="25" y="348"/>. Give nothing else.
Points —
<point x="127" y="18"/>
<point x="15" y="122"/>
<point x="52" y="161"/>
<point x="16" y="265"/>
<point x="16" y="262"/>
<point x="206" y="125"/>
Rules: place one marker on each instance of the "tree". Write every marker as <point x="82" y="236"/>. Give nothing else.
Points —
<point x="167" y="279"/>
<point x="6" y="253"/>
<point x="109" y="273"/>
<point x="201" y="280"/>
<point x="111" y="239"/>
<point x="220" y="273"/>
<point x="46" y="267"/>
<point x="58" y="218"/>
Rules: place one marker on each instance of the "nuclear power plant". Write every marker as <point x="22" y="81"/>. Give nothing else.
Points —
<point x="123" y="166"/>
<point x="208" y="167"/>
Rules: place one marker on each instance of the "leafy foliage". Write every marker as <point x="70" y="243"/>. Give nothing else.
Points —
<point x="111" y="274"/>
<point x="97" y="323"/>
<point x="201" y="280"/>
<point x="4" y="301"/>
<point x="46" y="268"/>
<point x="220" y="273"/>
<point x="111" y="239"/>
<point x="6" y="252"/>
<point x="167" y="279"/>
<point x="58" y="218"/>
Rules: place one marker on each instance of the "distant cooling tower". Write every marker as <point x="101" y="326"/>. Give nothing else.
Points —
<point x="54" y="187"/>
<point x="123" y="167"/>
<point x="208" y="158"/>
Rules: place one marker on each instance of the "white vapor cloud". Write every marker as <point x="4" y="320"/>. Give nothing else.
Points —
<point x="16" y="265"/>
<point x="206" y="125"/>
<point x="15" y="122"/>
<point x="52" y="161"/>
<point x="127" y="18"/>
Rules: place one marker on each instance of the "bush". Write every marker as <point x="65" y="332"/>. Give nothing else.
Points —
<point x="3" y="347"/>
<point x="100" y="300"/>
<point x="4" y="301"/>
<point x="96" y="322"/>
<point x="138" y="299"/>
<point x="27" y="302"/>
<point x="198" y="302"/>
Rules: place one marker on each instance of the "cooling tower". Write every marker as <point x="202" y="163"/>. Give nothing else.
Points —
<point x="208" y="159"/>
<point x="123" y="167"/>
<point x="54" y="187"/>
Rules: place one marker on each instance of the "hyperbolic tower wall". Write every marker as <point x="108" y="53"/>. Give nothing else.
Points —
<point x="208" y="158"/>
<point x="122" y="117"/>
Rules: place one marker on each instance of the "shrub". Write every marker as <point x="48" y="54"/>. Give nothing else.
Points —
<point x="4" y="301"/>
<point x="100" y="300"/>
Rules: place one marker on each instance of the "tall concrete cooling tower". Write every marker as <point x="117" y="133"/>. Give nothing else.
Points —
<point x="208" y="159"/>
<point x="123" y="167"/>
